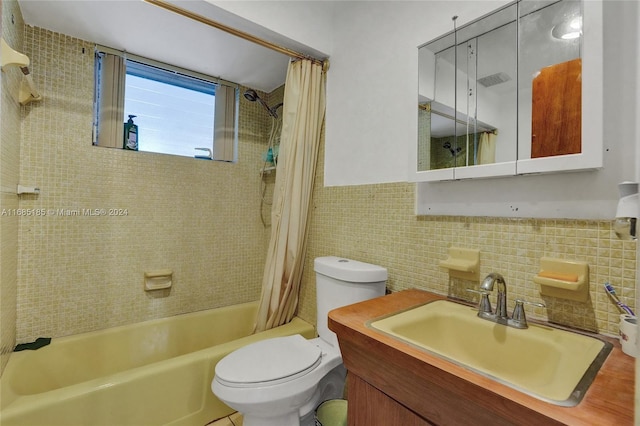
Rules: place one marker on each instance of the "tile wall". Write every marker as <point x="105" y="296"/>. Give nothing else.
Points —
<point x="12" y="24"/>
<point x="200" y="219"/>
<point x="376" y="224"/>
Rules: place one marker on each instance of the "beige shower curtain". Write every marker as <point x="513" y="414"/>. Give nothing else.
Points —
<point x="303" y="116"/>
<point x="487" y="148"/>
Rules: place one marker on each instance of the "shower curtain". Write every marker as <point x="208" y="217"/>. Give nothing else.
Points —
<point x="487" y="148"/>
<point x="303" y="116"/>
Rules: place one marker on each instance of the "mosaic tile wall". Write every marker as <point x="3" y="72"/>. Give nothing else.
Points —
<point x="12" y="25"/>
<point x="376" y="224"/>
<point x="200" y="219"/>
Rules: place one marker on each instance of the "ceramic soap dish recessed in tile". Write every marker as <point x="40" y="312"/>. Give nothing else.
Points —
<point x="158" y="280"/>
<point x="564" y="279"/>
<point x="463" y="263"/>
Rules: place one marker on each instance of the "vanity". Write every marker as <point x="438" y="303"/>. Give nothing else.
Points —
<point x="392" y="382"/>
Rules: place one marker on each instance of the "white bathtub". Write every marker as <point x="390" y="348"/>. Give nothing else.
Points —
<point x="153" y="373"/>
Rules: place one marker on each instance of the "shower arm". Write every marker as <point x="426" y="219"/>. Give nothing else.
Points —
<point x="268" y="108"/>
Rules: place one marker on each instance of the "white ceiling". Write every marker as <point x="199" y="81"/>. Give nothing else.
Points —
<point x="152" y="32"/>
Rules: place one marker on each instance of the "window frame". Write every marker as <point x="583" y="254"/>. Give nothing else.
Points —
<point x="225" y="117"/>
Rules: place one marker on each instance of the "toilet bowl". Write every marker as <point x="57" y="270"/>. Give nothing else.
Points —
<point x="280" y="381"/>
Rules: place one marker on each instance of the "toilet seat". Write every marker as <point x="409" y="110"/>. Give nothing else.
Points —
<point x="269" y="362"/>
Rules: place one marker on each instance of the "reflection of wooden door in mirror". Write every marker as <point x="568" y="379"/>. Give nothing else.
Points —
<point x="556" y="119"/>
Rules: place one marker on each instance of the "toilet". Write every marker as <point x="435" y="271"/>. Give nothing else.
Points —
<point x="280" y="381"/>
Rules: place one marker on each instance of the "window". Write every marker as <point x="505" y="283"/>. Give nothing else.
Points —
<point x="176" y="111"/>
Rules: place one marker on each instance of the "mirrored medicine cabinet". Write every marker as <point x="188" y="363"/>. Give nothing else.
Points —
<point x="517" y="91"/>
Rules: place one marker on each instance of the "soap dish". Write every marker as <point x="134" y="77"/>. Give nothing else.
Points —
<point x="463" y="263"/>
<point x="158" y="280"/>
<point x="564" y="279"/>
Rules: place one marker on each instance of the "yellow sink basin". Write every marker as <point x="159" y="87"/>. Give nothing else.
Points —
<point x="549" y="363"/>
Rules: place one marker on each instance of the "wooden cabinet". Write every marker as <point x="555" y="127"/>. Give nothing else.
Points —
<point x="392" y="383"/>
<point x="369" y="406"/>
<point x="556" y="115"/>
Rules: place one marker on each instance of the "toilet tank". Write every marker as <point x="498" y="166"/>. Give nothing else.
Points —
<point x="341" y="282"/>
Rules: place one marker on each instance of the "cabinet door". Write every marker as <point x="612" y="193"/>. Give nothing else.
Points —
<point x="517" y="91"/>
<point x="556" y="115"/>
<point x="560" y="92"/>
<point x="371" y="407"/>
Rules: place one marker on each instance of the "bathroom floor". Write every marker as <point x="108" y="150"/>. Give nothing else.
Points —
<point x="233" y="420"/>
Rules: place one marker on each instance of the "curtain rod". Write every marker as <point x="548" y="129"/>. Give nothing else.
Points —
<point x="246" y="36"/>
<point x="427" y="107"/>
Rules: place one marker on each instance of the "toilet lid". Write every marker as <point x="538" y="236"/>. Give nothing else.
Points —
<point x="273" y="360"/>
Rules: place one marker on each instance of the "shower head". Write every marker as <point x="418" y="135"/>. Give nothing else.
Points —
<point x="454" y="152"/>
<point x="252" y="96"/>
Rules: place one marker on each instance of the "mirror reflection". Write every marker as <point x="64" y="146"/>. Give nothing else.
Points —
<point x="550" y="79"/>
<point x="502" y="88"/>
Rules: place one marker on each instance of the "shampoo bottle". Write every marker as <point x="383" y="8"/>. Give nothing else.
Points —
<point x="130" y="135"/>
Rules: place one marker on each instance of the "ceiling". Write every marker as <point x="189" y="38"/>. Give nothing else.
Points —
<point x="149" y="31"/>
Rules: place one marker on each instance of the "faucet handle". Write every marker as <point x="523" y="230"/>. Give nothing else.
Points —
<point x="519" y="316"/>
<point x="484" y="305"/>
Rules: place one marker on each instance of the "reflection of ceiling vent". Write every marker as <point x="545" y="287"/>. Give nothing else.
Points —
<point x="493" y="79"/>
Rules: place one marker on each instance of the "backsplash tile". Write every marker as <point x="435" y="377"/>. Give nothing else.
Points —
<point x="376" y="224"/>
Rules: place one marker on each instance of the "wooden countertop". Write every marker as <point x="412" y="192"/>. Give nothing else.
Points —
<point x="446" y="393"/>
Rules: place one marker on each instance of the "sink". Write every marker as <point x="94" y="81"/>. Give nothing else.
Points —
<point x="549" y="363"/>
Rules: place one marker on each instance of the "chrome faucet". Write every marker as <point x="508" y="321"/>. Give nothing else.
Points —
<point x="487" y="285"/>
<point x="517" y="320"/>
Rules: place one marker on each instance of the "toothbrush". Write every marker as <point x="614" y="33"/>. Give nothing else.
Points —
<point x="612" y="292"/>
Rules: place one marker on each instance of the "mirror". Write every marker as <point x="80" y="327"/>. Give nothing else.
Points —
<point x="503" y="95"/>
<point x="471" y="117"/>
<point x="549" y="79"/>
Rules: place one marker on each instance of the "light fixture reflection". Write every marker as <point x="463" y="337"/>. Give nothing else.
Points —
<point x="568" y="30"/>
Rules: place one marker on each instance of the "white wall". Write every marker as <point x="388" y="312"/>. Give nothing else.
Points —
<point x="373" y="79"/>
<point x="372" y="95"/>
<point x="306" y="22"/>
<point x="373" y="82"/>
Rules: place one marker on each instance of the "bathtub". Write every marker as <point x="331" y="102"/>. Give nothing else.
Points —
<point x="153" y="373"/>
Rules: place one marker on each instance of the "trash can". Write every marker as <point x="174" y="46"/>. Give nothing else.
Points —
<point x="332" y="412"/>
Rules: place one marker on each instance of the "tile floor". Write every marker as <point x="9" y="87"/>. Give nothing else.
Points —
<point x="233" y="420"/>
